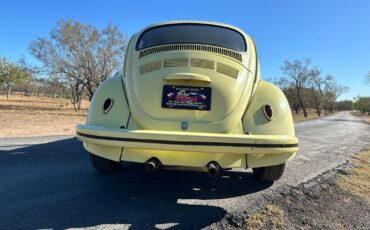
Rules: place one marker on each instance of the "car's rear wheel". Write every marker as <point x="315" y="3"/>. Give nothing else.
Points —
<point x="269" y="173"/>
<point x="104" y="165"/>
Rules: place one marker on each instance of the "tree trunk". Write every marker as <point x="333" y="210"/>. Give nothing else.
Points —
<point x="303" y="108"/>
<point x="7" y="91"/>
<point x="318" y="110"/>
<point x="90" y="92"/>
<point x="331" y="110"/>
<point x="296" y="107"/>
<point x="304" y="111"/>
<point x="79" y="104"/>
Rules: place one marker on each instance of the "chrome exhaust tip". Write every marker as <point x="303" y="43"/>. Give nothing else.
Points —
<point x="152" y="164"/>
<point x="213" y="169"/>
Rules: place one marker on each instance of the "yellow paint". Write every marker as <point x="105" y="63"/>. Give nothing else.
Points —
<point x="207" y="138"/>
<point x="236" y="109"/>
<point x="109" y="152"/>
<point x="181" y="158"/>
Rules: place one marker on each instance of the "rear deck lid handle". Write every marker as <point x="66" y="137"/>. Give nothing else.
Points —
<point x="187" y="77"/>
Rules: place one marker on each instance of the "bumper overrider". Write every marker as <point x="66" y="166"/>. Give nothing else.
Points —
<point x="187" y="141"/>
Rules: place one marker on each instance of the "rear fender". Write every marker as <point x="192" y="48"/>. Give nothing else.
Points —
<point x="118" y="115"/>
<point x="254" y="120"/>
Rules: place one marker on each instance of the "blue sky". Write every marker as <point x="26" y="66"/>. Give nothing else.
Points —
<point x="334" y="34"/>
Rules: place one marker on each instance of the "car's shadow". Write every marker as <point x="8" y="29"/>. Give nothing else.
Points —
<point x="53" y="185"/>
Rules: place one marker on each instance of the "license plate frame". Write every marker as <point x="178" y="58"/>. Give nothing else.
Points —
<point x="186" y="97"/>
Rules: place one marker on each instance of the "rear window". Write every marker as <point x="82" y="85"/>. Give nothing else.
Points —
<point x="193" y="34"/>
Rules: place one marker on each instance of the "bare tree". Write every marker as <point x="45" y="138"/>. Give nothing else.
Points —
<point x="80" y="55"/>
<point x="38" y="85"/>
<point x="297" y="73"/>
<point x="317" y="84"/>
<point x="333" y="90"/>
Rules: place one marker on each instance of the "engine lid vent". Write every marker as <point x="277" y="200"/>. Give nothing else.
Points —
<point x="202" y="63"/>
<point x="208" y="48"/>
<point x="151" y="66"/>
<point x="177" y="62"/>
<point x="227" y="70"/>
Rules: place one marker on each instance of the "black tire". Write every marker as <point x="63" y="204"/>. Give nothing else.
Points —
<point x="104" y="165"/>
<point x="270" y="173"/>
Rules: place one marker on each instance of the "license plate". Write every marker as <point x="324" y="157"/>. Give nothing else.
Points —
<point x="186" y="97"/>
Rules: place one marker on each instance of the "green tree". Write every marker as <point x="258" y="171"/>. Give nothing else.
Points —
<point x="12" y="74"/>
<point x="362" y="104"/>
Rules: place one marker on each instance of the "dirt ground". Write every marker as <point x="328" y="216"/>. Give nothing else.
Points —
<point x="38" y="116"/>
<point x="342" y="202"/>
<point x="365" y="118"/>
<point x="311" y="114"/>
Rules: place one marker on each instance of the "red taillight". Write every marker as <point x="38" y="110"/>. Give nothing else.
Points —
<point x="268" y="111"/>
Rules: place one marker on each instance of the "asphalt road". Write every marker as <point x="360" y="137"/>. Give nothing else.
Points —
<point x="48" y="182"/>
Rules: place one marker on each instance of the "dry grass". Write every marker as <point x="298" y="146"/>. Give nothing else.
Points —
<point x="365" y="118"/>
<point x="331" y="208"/>
<point x="358" y="180"/>
<point x="271" y="217"/>
<point x="38" y="116"/>
<point x="311" y="114"/>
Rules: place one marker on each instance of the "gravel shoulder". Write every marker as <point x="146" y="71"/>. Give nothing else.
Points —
<point x="337" y="199"/>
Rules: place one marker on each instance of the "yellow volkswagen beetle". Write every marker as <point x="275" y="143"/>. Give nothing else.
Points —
<point x="190" y="95"/>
